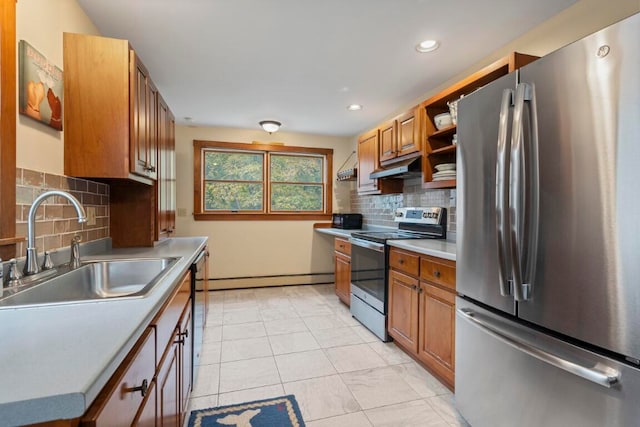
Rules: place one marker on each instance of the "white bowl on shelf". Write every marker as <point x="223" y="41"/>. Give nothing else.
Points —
<point x="442" y="120"/>
<point x="445" y="167"/>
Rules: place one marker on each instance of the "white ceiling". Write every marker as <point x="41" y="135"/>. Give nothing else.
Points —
<point x="236" y="62"/>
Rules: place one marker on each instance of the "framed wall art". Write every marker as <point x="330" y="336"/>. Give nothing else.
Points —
<point x="40" y="87"/>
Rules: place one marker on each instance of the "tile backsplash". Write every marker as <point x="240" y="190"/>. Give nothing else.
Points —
<point x="56" y="218"/>
<point x="378" y="210"/>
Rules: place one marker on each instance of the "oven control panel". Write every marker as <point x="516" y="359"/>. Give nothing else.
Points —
<point x="420" y="215"/>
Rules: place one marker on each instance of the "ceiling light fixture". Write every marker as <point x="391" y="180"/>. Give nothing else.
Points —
<point x="270" y="126"/>
<point x="427" y="46"/>
<point x="354" y="107"/>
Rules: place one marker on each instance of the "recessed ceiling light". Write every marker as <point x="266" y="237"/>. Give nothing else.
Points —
<point x="354" y="107"/>
<point x="427" y="46"/>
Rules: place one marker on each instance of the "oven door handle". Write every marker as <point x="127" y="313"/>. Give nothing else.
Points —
<point x="366" y="244"/>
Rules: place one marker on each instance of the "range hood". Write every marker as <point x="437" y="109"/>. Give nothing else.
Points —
<point x="408" y="168"/>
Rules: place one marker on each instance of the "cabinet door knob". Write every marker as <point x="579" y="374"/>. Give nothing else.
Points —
<point x="414" y="287"/>
<point x="142" y="388"/>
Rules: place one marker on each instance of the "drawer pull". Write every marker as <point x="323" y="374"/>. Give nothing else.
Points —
<point x="401" y="261"/>
<point x="183" y="335"/>
<point x="414" y="287"/>
<point x="436" y="273"/>
<point x="142" y="388"/>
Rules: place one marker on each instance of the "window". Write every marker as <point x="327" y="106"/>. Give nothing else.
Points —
<point x="251" y="181"/>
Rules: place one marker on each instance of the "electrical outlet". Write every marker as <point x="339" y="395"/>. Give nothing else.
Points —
<point x="91" y="215"/>
<point x="182" y="212"/>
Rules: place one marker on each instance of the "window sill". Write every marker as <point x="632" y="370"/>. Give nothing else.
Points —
<point x="260" y="217"/>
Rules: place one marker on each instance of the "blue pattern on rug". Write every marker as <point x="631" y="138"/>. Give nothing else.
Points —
<point x="275" y="412"/>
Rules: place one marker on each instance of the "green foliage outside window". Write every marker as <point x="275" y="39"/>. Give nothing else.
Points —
<point x="233" y="181"/>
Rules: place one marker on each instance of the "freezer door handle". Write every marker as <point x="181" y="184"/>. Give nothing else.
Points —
<point x="523" y="194"/>
<point x="502" y="191"/>
<point x="601" y="375"/>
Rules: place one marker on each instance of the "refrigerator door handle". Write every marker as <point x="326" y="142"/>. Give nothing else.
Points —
<point x="523" y="195"/>
<point x="601" y="375"/>
<point x="502" y="191"/>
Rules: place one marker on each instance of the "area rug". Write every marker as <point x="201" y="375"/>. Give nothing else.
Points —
<point x="276" y="412"/>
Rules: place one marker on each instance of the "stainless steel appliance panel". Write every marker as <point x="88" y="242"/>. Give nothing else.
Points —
<point x="515" y="372"/>
<point x="478" y="272"/>
<point x="368" y="269"/>
<point x="588" y="122"/>
<point x="372" y="319"/>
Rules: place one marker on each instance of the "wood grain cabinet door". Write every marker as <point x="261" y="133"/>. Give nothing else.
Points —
<point x="367" y="161"/>
<point x="388" y="141"/>
<point x="408" y="134"/>
<point x="343" y="277"/>
<point x="185" y="340"/>
<point x="437" y="329"/>
<point x="403" y="310"/>
<point x="143" y="149"/>
<point x="169" y="387"/>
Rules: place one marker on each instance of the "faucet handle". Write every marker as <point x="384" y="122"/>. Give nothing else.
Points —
<point x="74" y="258"/>
<point x="14" y="277"/>
<point x="76" y="239"/>
<point x="47" y="264"/>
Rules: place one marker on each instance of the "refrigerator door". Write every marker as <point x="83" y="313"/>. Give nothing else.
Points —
<point x="509" y="375"/>
<point x="482" y="262"/>
<point x="585" y="279"/>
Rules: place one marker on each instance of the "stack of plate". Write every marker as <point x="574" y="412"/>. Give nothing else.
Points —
<point x="446" y="171"/>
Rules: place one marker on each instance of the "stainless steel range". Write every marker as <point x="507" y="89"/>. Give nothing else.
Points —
<point x="369" y="261"/>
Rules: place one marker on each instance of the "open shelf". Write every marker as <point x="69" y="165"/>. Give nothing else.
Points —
<point x="444" y="150"/>
<point x="443" y="133"/>
<point x="449" y="183"/>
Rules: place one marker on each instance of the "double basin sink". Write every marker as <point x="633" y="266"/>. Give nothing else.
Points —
<point x="94" y="281"/>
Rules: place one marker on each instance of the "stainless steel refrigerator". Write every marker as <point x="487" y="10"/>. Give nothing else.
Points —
<point x="548" y="252"/>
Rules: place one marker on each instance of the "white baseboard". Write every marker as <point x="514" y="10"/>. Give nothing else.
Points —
<point x="259" y="282"/>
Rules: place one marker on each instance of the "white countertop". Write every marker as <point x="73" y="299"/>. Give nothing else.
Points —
<point x="437" y="248"/>
<point x="54" y="360"/>
<point x="339" y="232"/>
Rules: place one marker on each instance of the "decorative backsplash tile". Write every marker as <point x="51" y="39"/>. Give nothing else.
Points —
<point x="378" y="210"/>
<point x="56" y="218"/>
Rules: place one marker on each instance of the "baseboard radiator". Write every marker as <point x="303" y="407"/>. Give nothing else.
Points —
<point x="274" y="280"/>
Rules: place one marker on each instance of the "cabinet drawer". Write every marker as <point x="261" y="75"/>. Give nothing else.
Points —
<point x="166" y="321"/>
<point x="439" y="271"/>
<point x="343" y="246"/>
<point x="404" y="261"/>
<point x="119" y="401"/>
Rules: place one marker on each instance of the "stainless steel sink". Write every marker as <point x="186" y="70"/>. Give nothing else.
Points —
<point x="95" y="280"/>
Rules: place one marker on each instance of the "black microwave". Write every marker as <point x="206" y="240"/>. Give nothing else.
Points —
<point x="347" y="221"/>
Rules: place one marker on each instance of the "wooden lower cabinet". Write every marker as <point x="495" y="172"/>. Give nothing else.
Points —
<point x="123" y="396"/>
<point x="153" y="384"/>
<point x="437" y="330"/>
<point x="342" y="258"/>
<point x="421" y="312"/>
<point x="403" y="310"/>
<point x="169" y="387"/>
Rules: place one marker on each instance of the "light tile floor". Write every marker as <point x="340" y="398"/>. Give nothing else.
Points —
<point x="300" y="340"/>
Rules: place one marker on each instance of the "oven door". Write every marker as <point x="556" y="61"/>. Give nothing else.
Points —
<point x="368" y="272"/>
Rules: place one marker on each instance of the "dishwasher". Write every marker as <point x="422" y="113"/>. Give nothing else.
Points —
<point x="200" y="305"/>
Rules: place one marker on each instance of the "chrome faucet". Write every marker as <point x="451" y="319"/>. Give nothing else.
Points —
<point x="74" y="259"/>
<point x="31" y="264"/>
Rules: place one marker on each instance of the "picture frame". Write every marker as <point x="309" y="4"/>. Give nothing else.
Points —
<point x="40" y="87"/>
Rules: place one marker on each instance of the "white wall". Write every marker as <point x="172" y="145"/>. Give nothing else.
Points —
<point x="258" y="248"/>
<point x="41" y="23"/>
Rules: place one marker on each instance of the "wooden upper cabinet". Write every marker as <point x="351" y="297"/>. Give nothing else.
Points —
<point x="143" y="139"/>
<point x="438" y="146"/>
<point x="368" y="161"/>
<point x="109" y="110"/>
<point x="400" y="136"/>
<point x="409" y="136"/>
<point x="388" y="141"/>
<point x="166" y="197"/>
